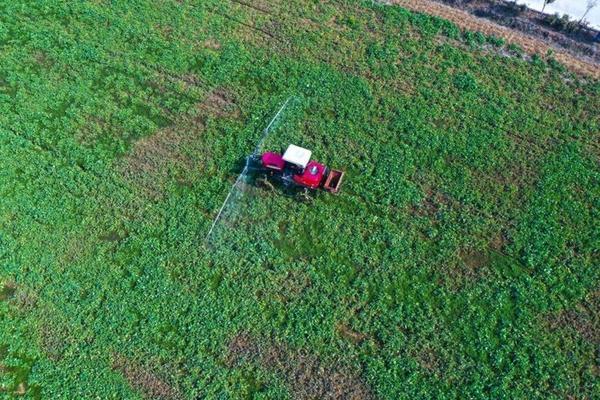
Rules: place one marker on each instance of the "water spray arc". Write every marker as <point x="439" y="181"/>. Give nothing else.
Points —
<point x="244" y="172"/>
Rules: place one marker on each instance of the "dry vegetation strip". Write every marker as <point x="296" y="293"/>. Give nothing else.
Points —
<point x="529" y="44"/>
<point x="305" y="375"/>
<point x="151" y="157"/>
<point x="148" y="383"/>
<point x="584" y="318"/>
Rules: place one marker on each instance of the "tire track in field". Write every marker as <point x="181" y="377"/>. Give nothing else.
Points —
<point x="529" y="44"/>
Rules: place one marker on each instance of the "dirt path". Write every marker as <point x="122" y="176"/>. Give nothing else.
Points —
<point x="529" y="44"/>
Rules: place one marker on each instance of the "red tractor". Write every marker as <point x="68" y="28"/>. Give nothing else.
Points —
<point x="295" y="168"/>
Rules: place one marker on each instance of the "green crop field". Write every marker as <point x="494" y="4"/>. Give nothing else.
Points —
<point x="459" y="261"/>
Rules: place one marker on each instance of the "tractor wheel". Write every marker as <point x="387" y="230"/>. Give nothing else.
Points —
<point x="305" y="196"/>
<point x="264" y="181"/>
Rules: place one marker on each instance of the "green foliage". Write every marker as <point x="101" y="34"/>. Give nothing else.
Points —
<point x="562" y="23"/>
<point x="515" y="49"/>
<point x="495" y="41"/>
<point x="467" y="217"/>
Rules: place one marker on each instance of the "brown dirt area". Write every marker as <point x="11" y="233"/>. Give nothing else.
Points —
<point x="152" y="159"/>
<point x="212" y="44"/>
<point x="148" y="383"/>
<point x="475" y="263"/>
<point x="23" y="299"/>
<point x="347" y="333"/>
<point x="7" y="290"/>
<point x="221" y="103"/>
<point x="429" y="360"/>
<point x="433" y="201"/>
<point x="584" y="318"/>
<point x="529" y="44"/>
<point x="53" y="341"/>
<point x="305" y="375"/>
<point x="148" y="163"/>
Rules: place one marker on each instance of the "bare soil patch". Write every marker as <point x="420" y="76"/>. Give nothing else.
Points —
<point x="585" y="318"/>
<point x="20" y="297"/>
<point x="432" y="203"/>
<point x="498" y="242"/>
<point x="53" y="340"/>
<point x="349" y="334"/>
<point x="153" y="159"/>
<point x="7" y="291"/>
<point x="150" y="154"/>
<point x="475" y="260"/>
<point x="149" y="161"/>
<point x="305" y="375"/>
<point x="42" y="59"/>
<point x="221" y="103"/>
<point x="429" y="360"/>
<point x="212" y="44"/>
<point x="25" y="299"/>
<point x="470" y="266"/>
<point x="530" y="44"/>
<point x="290" y="285"/>
<point x="147" y="382"/>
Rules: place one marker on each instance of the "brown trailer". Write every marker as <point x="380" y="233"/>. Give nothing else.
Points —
<point x="334" y="181"/>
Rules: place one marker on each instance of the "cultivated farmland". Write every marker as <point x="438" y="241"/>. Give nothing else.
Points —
<point x="460" y="259"/>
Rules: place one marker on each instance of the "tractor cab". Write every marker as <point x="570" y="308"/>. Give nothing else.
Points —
<point x="297" y="157"/>
<point x="304" y="172"/>
<point x="296" y="167"/>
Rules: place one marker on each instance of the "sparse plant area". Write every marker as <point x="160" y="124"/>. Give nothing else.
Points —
<point x="459" y="260"/>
